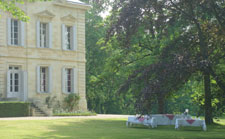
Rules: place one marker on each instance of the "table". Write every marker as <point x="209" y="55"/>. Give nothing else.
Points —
<point x="190" y="122"/>
<point x="167" y="119"/>
<point x="133" y="120"/>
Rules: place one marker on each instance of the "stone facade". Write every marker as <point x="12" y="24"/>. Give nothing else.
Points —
<point x="29" y="56"/>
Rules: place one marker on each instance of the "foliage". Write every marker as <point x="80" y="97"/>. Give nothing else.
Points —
<point x="76" y="113"/>
<point x="14" y="109"/>
<point x="101" y="84"/>
<point x="177" y="35"/>
<point x="12" y="7"/>
<point x="71" y="102"/>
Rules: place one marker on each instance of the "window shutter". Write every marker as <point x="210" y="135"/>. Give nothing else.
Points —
<point x="63" y="37"/>
<point x="74" y="40"/>
<point x="38" y="79"/>
<point x="38" y="34"/>
<point x="9" y="31"/>
<point x="49" y="35"/>
<point x="50" y="79"/>
<point x="75" y="81"/>
<point x="8" y="83"/>
<point x="22" y="33"/>
<point x="63" y="80"/>
<point x="24" y="85"/>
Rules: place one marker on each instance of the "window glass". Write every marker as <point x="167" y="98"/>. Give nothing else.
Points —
<point x="68" y="37"/>
<point x="43" y="79"/>
<point x="14" y="78"/>
<point x="68" y="80"/>
<point x="14" y="32"/>
<point x="43" y="35"/>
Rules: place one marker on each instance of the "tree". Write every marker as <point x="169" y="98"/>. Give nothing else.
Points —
<point x="179" y="37"/>
<point x="11" y="6"/>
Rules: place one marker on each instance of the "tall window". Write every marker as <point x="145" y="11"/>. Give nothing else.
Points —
<point x="14" y="32"/>
<point x="43" y="35"/>
<point x="43" y="79"/>
<point x="68" y="37"/>
<point x="68" y="80"/>
<point x="14" y="79"/>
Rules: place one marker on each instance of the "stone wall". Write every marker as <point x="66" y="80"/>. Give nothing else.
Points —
<point x="29" y="56"/>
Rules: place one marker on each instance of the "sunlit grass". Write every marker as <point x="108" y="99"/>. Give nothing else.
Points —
<point x="101" y="129"/>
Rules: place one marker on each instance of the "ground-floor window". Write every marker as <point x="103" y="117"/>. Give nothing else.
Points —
<point x="68" y="80"/>
<point x="14" y="78"/>
<point x="44" y="79"/>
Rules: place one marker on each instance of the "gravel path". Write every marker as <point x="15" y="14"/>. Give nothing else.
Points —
<point x="99" y="116"/>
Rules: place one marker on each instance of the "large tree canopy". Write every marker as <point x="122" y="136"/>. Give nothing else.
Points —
<point x="184" y="36"/>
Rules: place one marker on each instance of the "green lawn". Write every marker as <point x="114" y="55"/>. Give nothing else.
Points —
<point x="101" y="129"/>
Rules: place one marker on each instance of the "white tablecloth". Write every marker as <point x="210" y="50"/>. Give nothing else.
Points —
<point x="132" y="120"/>
<point x="167" y="119"/>
<point x="190" y="122"/>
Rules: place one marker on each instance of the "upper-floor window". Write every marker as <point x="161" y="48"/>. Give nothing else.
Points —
<point x="44" y="35"/>
<point x="15" y="32"/>
<point x="69" y="37"/>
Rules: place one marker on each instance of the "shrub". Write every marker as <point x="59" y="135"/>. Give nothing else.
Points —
<point x="71" y="101"/>
<point x="14" y="109"/>
<point x="76" y="113"/>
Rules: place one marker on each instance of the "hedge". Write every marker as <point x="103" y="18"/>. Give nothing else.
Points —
<point x="75" y="114"/>
<point x="14" y="109"/>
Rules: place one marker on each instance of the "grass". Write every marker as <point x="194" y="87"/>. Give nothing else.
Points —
<point x="101" y="129"/>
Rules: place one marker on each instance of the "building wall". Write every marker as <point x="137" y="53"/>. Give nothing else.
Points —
<point x="29" y="56"/>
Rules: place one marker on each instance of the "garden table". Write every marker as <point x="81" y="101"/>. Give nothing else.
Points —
<point x="167" y="119"/>
<point x="190" y="122"/>
<point x="133" y="120"/>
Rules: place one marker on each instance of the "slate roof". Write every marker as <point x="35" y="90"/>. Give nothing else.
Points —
<point x="76" y="2"/>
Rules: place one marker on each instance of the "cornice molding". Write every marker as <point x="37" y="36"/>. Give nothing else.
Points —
<point x="69" y="17"/>
<point x="45" y="14"/>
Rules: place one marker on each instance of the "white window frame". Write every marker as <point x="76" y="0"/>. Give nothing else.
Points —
<point x="14" y="39"/>
<point x="73" y="80"/>
<point x="12" y="83"/>
<point x="11" y="32"/>
<point x="43" y="35"/>
<point x="71" y="40"/>
<point x="68" y="37"/>
<point x="44" y="28"/>
<point x="44" y="80"/>
<point x="69" y="80"/>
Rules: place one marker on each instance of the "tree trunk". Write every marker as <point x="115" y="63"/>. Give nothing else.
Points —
<point x="208" y="103"/>
<point x="161" y="103"/>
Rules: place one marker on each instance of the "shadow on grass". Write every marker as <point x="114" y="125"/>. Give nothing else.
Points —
<point x="116" y="129"/>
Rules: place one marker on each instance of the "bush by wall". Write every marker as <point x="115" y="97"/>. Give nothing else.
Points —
<point x="14" y="109"/>
<point x="76" y="113"/>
